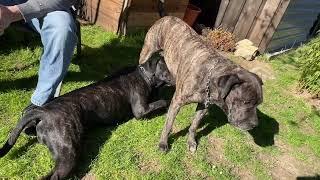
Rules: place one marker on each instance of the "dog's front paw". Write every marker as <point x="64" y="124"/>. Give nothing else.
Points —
<point x="163" y="146"/>
<point x="192" y="146"/>
<point x="164" y="103"/>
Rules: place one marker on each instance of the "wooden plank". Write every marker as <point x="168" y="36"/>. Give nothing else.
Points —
<point x="114" y="5"/>
<point x="106" y="20"/>
<point x="92" y="14"/>
<point x="232" y="14"/>
<point x="105" y="6"/>
<point x="222" y="10"/>
<point x="152" y="5"/>
<point x="122" y="26"/>
<point x="105" y="13"/>
<point x="263" y="21"/>
<point x="273" y="25"/>
<point x="179" y="7"/>
<point x="146" y="19"/>
<point x="256" y="17"/>
<point x="246" y="18"/>
<point x="113" y="15"/>
<point x="144" y="13"/>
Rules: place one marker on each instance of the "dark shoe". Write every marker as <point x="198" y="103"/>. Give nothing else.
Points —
<point x="30" y="128"/>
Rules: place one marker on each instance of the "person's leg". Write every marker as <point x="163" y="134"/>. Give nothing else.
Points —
<point x="58" y="36"/>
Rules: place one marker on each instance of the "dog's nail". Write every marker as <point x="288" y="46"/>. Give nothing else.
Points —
<point x="163" y="147"/>
<point x="192" y="147"/>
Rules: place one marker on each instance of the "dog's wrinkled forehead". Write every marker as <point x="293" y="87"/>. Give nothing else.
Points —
<point x="249" y="92"/>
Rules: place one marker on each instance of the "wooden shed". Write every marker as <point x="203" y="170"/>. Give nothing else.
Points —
<point x="122" y="15"/>
<point x="271" y="25"/>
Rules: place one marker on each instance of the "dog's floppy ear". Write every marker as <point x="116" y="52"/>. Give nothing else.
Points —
<point x="226" y="82"/>
<point x="258" y="78"/>
<point x="163" y="73"/>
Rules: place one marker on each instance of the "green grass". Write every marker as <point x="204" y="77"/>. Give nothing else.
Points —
<point x="289" y="125"/>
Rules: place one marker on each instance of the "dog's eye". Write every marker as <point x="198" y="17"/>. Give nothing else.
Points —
<point x="246" y="102"/>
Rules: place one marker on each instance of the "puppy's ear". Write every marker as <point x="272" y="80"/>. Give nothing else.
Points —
<point x="152" y="62"/>
<point x="163" y="73"/>
<point x="226" y="82"/>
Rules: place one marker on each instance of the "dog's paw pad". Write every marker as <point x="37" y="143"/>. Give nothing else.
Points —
<point x="163" y="147"/>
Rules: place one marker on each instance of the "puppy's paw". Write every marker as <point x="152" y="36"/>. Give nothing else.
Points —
<point x="192" y="146"/>
<point x="163" y="147"/>
<point x="164" y="103"/>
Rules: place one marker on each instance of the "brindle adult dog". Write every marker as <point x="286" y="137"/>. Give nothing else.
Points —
<point x="202" y="76"/>
<point x="61" y="122"/>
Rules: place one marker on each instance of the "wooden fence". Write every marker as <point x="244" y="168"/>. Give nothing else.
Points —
<point x="255" y="20"/>
<point x="120" y="15"/>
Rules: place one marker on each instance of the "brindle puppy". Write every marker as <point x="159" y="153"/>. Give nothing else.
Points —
<point x="61" y="122"/>
<point x="202" y="76"/>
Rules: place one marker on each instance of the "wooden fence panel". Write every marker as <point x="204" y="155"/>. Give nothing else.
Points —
<point x="222" y="10"/>
<point x="247" y="18"/>
<point x="263" y="21"/>
<point x="105" y="13"/>
<point x="232" y="14"/>
<point x="143" y="13"/>
<point x="273" y="25"/>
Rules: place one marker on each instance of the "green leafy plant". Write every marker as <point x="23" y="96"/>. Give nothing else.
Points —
<point x="309" y="64"/>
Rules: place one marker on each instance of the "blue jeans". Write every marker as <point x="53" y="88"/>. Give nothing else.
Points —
<point x="58" y="36"/>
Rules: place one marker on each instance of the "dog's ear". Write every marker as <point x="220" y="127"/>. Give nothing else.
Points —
<point x="258" y="78"/>
<point x="152" y="62"/>
<point x="226" y="82"/>
<point x="163" y="73"/>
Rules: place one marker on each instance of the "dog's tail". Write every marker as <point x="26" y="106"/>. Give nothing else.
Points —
<point x="161" y="9"/>
<point x="24" y="121"/>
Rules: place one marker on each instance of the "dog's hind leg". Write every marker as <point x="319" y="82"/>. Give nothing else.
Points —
<point x="63" y="144"/>
<point x="200" y="113"/>
<point x="64" y="164"/>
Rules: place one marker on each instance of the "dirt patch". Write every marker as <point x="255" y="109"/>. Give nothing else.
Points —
<point x="281" y="166"/>
<point x="216" y="157"/>
<point x="286" y="166"/>
<point x="313" y="100"/>
<point x="148" y="164"/>
<point x="262" y="69"/>
<point x="304" y="125"/>
<point x="215" y="150"/>
<point x="89" y="176"/>
<point x="193" y="172"/>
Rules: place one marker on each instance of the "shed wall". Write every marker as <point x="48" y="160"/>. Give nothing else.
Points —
<point x="295" y="25"/>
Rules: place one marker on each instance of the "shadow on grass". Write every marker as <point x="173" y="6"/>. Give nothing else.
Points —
<point x="263" y="134"/>
<point x="17" y="152"/>
<point x="92" y="141"/>
<point x="94" y="63"/>
<point x="14" y="39"/>
<point x="316" y="177"/>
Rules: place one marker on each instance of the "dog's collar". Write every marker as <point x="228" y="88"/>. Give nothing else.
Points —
<point x="144" y="75"/>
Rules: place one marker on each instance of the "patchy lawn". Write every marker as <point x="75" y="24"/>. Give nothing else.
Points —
<point x="286" y="145"/>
